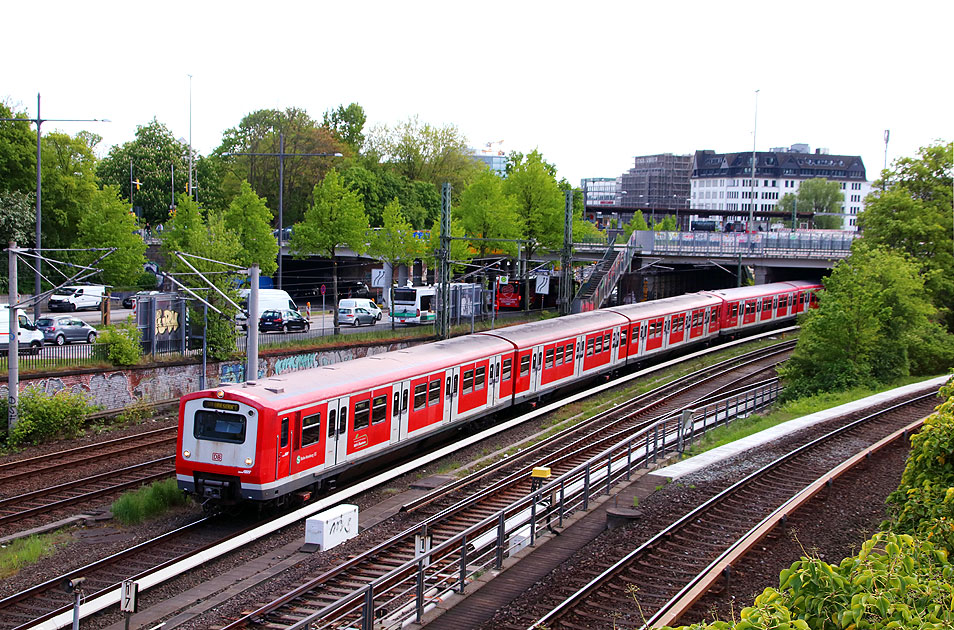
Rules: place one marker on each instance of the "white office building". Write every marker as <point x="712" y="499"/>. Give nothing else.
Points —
<point x="723" y="181"/>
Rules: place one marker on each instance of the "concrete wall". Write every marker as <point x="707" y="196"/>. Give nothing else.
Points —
<point x="123" y="387"/>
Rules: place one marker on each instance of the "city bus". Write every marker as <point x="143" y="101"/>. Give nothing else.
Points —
<point x="414" y="305"/>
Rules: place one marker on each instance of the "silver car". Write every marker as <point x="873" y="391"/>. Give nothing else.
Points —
<point x="62" y="330"/>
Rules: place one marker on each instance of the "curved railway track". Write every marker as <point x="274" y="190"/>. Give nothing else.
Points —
<point x="445" y="515"/>
<point x="658" y="570"/>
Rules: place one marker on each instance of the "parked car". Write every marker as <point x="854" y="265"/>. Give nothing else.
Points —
<point x="364" y="303"/>
<point x="129" y="300"/>
<point x="62" y="330"/>
<point x="73" y="298"/>
<point x="356" y="316"/>
<point x="282" y="321"/>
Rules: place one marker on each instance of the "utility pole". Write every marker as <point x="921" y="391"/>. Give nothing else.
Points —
<point x="566" y="257"/>
<point x="754" y="129"/>
<point x="13" y="345"/>
<point x="190" y="138"/>
<point x="443" y="265"/>
<point x="281" y="155"/>
<point x="38" y="121"/>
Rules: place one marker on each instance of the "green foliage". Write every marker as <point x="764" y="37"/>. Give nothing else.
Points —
<point x="538" y="201"/>
<point x="460" y="251"/>
<point x="667" y="224"/>
<point x="17" y="153"/>
<point x="638" y="222"/>
<point x="910" y="210"/>
<point x="26" y="551"/>
<point x="118" y="344"/>
<point x="69" y="184"/>
<point x="250" y="219"/>
<point x="394" y="243"/>
<point x="154" y="153"/>
<point x="107" y="222"/>
<point x="485" y="212"/>
<point x="44" y="417"/>
<point x="378" y="185"/>
<point x="17" y="223"/>
<point x="347" y="124"/>
<point x="871" y="315"/>
<point x="896" y="581"/>
<point x="820" y="195"/>
<point x="148" y="502"/>
<point x="923" y="505"/>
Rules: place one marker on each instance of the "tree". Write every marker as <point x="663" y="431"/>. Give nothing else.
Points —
<point x="420" y="201"/>
<point x="17" y="223"/>
<point x="187" y="231"/>
<point x="153" y="155"/>
<point x="259" y="132"/>
<point x="347" y="124"/>
<point x="250" y="219"/>
<point x="539" y="204"/>
<point x="69" y="184"/>
<point x="870" y="326"/>
<point x="107" y="222"/>
<point x="460" y="251"/>
<point x="485" y="212"/>
<point x="17" y="153"/>
<point x="822" y="196"/>
<point x="789" y="205"/>
<point x="910" y="210"/>
<point x="420" y="151"/>
<point x="394" y="243"/>
<point x="336" y="218"/>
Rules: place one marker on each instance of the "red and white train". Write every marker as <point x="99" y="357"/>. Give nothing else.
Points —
<point x="286" y="435"/>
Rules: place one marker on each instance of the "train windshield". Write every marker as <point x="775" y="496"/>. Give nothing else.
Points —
<point x="221" y="427"/>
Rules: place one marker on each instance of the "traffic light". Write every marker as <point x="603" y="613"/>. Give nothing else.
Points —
<point x="137" y="183"/>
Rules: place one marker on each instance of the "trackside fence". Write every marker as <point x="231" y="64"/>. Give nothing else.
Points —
<point x="404" y="594"/>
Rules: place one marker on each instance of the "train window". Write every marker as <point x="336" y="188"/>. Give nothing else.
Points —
<point x="396" y="407"/>
<point x="362" y="415"/>
<point x="467" y="385"/>
<point x="404" y="403"/>
<point x="379" y="410"/>
<point x="506" y="370"/>
<point x="480" y="378"/>
<point x="733" y="310"/>
<point x="331" y="423"/>
<point x="343" y="421"/>
<point x="311" y="429"/>
<point x="420" y="396"/>
<point x="548" y="362"/>
<point x="448" y="389"/>
<point x="284" y="442"/>
<point x="589" y="346"/>
<point x="636" y="330"/>
<point x="606" y="342"/>
<point x="558" y="360"/>
<point x="434" y="392"/>
<point x="221" y="427"/>
<point x="569" y="351"/>
<point x="525" y="365"/>
<point x="622" y="338"/>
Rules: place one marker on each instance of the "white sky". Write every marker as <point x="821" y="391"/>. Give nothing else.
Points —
<point x="590" y="84"/>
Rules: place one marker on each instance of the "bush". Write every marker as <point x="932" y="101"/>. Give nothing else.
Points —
<point x="44" y="417"/>
<point x="119" y="344"/>
<point x="152" y="500"/>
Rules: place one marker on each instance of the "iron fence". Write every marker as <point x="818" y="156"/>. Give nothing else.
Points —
<point x="766" y="244"/>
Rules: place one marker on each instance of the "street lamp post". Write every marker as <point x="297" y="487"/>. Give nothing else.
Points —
<point x="38" y="121"/>
<point x="281" y="155"/>
<point x="754" y="129"/>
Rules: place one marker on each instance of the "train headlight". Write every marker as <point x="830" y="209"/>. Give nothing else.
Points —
<point x="219" y="394"/>
<point x="248" y="461"/>
<point x="187" y="454"/>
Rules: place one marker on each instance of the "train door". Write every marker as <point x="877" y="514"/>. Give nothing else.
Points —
<point x="493" y="380"/>
<point x="336" y="437"/>
<point x="401" y="392"/>
<point x="622" y="343"/>
<point x="308" y="437"/>
<point x="768" y="307"/>
<point x="505" y="377"/>
<point x="524" y="372"/>
<point x="451" y="379"/>
<point x="633" y="351"/>
<point x="283" y="442"/>
<point x="782" y="305"/>
<point x="370" y="423"/>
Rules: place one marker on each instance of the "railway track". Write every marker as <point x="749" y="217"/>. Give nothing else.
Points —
<point x="446" y="516"/>
<point x="659" y="570"/>
<point x="42" y="465"/>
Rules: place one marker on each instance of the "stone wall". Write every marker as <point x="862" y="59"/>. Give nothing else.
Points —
<point x="122" y="387"/>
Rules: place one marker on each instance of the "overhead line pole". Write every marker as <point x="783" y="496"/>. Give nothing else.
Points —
<point x="281" y="155"/>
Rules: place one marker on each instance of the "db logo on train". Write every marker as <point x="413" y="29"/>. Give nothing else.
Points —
<point x="216" y="457"/>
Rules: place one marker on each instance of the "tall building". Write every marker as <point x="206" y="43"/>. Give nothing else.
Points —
<point x="723" y="181"/>
<point x="660" y="182"/>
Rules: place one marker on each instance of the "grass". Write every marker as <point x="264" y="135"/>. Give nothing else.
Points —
<point x="755" y="423"/>
<point x="148" y="502"/>
<point x="26" y="551"/>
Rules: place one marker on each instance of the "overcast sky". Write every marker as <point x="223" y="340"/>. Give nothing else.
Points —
<point x="590" y="84"/>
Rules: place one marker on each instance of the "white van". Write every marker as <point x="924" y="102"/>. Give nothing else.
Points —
<point x="268" y="300"/>
<point x="74" y="298"/>
<point x="364" y="303"/>
<point x="30" y="338"/>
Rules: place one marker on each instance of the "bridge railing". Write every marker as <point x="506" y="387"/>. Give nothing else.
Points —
<point x="767" y="244"/>
<point x="609" y="281"/>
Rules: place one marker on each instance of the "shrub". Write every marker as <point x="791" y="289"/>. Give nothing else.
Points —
<point x="43" y="417"/>
<point x="147" y="502"/>
<point x="119" y="344"/>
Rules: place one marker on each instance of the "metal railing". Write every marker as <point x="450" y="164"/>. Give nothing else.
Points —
<point x="608" y="281"/>
<point x="763" y="244"/>
<point x="407" y="592"/>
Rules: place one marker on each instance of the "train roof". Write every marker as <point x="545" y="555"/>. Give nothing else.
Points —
<point x="642" y="310"/>
<point x="294" y="388"/>
<point x="548" y="330"/>
<point x="759" y="290"/>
